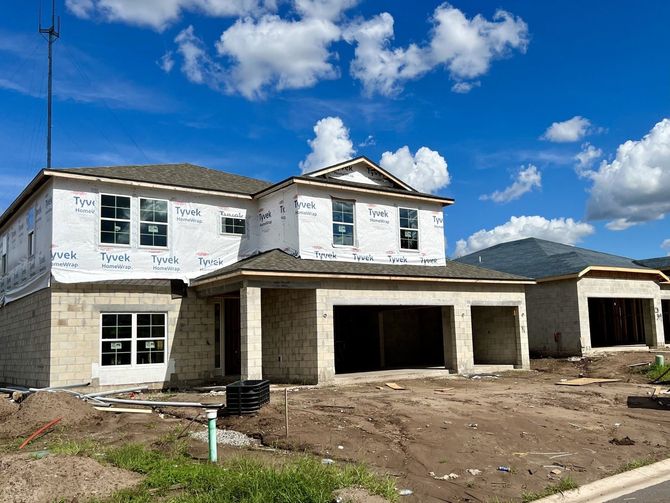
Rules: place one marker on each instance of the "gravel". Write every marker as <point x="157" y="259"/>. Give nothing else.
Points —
<point x="226" y="437"/>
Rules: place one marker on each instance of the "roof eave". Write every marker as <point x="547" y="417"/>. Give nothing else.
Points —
<point x="324" y="275"/>
<point x="25" y="194"/>
<point x="585" y="271"/>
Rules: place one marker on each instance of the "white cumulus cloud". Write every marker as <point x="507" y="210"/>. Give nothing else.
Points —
<point x="568" y="131"/>
<point x="426" y="170"/>
<point x="562" y="230"/>
<point x="331" y="144"/>
<point x="585" y="159"/>
<point x="197" y="64"/>
<point x="166" y="62"/>
<point x="323" y="9"/>
<point x="275" y="53"/>
<point x="526" y="180"/>
<point x="159" y="14"/>
<point x="666" y="245"/>
<point x="464" y="47"/>
<point x="635" y="186"/>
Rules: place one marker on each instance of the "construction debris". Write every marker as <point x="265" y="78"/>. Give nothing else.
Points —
<point x="583" y="381"/>
<point x="394" y="386"/>
<point x="622" y="441"/>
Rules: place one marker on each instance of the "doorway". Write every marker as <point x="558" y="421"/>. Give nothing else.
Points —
<point x="231" y="337"/>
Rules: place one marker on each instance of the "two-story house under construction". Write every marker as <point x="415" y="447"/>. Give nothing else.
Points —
<point x="170" y="274"/>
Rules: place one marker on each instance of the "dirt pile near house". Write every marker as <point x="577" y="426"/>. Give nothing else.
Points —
<point x="40" y="408"/>
<point x="7" y="408"/>
<point x="62" y="478"/>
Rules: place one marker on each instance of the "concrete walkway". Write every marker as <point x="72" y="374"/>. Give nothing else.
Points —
<point x="616" y="486"/>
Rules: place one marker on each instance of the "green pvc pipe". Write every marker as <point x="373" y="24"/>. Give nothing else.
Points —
<point x="211" y="427"/>
<point x="660" y="360"/>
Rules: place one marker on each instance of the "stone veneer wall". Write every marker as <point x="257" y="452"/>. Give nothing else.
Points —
<point x="24" y="340"/>
<point x="289" y="335"/>
<point x="75" y="319"/>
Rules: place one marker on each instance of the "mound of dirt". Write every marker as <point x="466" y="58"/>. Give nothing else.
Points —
<point x="65" y="478"/>
<point x="41" y="408"/>
<point x="7" y="408"/>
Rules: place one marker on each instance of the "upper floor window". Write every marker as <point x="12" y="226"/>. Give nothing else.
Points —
<point x="114" y="219"/>
<point x="30" y="225"/>
<point x="231" y="225"/>
<point x="153" y="222"/>
<point x="3" y="256"/>
<point x="343" y="222"/>
<point x="409" y="228"/>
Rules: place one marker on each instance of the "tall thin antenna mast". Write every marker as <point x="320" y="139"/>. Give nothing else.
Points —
<point x="53" y="34"/>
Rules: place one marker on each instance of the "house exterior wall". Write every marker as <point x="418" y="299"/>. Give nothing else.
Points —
<point x="554" y="318"/>
<point x="377" y="232"/>
<point x="277" y="221"/>
<point x="196" y="244"/>
<point x="459" y="297"/>
<point x="289" y="335"/>
<point x="607" y="285"/>
<point x="27" y="273"/>
<point x="25" y="340"/>
<point x="494" y="335"/>
<point x="76" y="339"/>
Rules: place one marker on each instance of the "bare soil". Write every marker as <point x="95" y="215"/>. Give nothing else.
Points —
<point x="522" y="421"/>
<point x="59" y="478"/>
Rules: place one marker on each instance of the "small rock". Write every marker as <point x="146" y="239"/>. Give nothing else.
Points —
<point x="555" y="471"/>
<point x="473" y="471"/>
<point x="405" y="492"/>
<point x="327" y="461"/>
<point x="340" y="447"/>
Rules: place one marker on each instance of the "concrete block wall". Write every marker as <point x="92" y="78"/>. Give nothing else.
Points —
<point x="553" y="318"/>
<point x="24" y="340"/>
<point x="494" y="335"/>
<point x="75" y="320"/>
<point x="289" y="335"/>
<point x="631" y="286"/>
<point x="459" y="297"/>
<point x="251" y="343"/>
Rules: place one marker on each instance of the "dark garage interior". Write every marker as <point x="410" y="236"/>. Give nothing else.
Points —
<point x="665" y="306"/>
<point x="616" y="322"/>
<point x="369" y="338"/>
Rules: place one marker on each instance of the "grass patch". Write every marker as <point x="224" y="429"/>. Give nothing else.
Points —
<point x="565" y="484"/>
<point x="239" y="480"/>
<point x="654" y="371"/>
<point x="74" y="447"/>
<point x="635" y="463"/>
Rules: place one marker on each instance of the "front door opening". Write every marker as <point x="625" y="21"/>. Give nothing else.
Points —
<point x="369" y="338"/>
<point x="231" y="337"/>
<point x="665" y="307"/>
<point x="616" y="322"/>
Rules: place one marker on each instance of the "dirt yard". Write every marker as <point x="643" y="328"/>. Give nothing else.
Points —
<point x="522" y="420"/>
<point x="442" y="438"/>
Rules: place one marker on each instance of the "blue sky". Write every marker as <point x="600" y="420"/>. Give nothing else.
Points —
<point x="249" y="80"/>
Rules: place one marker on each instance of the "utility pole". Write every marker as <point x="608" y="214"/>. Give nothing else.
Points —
<point x="53" y="34"/>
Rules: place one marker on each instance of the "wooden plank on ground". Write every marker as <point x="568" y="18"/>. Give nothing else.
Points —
<point x="583" y="381"/>
<point x="394" y="386"/>
<point x="123" y="409"/>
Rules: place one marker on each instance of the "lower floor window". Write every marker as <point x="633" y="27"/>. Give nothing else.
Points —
<point x="133" y="338"/>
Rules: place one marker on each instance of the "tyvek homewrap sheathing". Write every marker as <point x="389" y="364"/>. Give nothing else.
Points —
<point x="377" y="233"/>
<point x="27" y="273"/>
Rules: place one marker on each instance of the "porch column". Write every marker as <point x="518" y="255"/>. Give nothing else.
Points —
<point x="522" y="352"/>
<point x="461" y="329"/>
<point x="250" y="333"/>
<point x="325" y="338"/>
<point x="656" y="335"/>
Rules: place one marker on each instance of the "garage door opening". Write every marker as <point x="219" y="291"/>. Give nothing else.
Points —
<point x="369" y="338"/>
<point x="617" y="322"/>
<point x="494" y="335"/>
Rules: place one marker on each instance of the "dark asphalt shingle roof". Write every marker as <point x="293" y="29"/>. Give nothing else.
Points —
<point x="181" y="175"/>
<point x="280" y="261"/>
<point x="661" y="263"/>
<point x="538" y="258"/>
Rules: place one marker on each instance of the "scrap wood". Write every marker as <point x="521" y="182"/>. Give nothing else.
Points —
<point x="39" y="432"/>
<point x="335" y="406"/>
<point x="443" y="390"/>
<point x="640" y="364"/>
<point x="583" y="381"/>
<point x="394" y="386"/>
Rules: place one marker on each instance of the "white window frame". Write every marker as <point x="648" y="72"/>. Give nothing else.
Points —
<point x="140" y="222"/>
<point x="31" y="232"/>
<point x="353" y="224"/>
<point x="129" y="220"/>
<point x="134" y="340"/>
<point x="222" y="227"/>
<point x="418" y="233"/>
